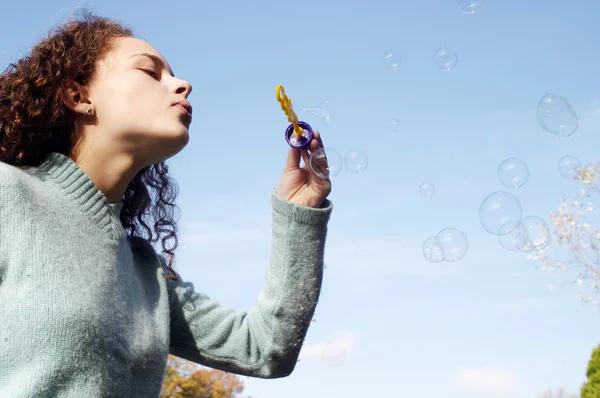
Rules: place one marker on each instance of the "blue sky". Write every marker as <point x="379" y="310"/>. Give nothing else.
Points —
<point x="483" y="327"/>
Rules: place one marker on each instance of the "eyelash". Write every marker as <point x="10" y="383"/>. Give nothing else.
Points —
<point x="153" y="74"/>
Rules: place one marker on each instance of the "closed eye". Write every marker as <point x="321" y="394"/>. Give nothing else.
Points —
<point x="152" y="73"/>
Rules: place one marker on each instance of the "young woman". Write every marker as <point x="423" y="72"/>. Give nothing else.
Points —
<point x="87" y="306"/>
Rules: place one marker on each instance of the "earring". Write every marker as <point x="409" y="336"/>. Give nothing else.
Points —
<point x="90" y="112"/>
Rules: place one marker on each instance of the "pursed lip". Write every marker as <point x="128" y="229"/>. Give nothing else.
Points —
<point x="186" y="105"/>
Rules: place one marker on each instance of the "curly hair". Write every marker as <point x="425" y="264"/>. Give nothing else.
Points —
<point x="35" y="122"/>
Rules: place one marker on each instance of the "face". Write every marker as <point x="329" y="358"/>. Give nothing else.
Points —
<point x="133" y="97"/>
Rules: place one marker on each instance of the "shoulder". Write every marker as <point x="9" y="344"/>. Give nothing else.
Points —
<point x="20" y="184"/>
<point x="9" y="175"/>
<point x="11" y="186"/>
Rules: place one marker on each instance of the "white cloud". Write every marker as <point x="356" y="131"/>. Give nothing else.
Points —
<point x="334" y="352"/>
<point x="489" y="381"/>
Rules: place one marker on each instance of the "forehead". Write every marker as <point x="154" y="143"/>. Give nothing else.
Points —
<point x="125" y="47"/>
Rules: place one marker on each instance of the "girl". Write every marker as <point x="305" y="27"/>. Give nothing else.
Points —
<point x="88" y="308"/>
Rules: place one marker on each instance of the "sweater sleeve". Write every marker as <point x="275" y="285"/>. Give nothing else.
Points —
<point x="264" y="342"/>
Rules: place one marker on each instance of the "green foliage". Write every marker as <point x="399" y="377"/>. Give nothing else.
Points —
<point x="591" y="389"/>
<point x="185" y="379"/>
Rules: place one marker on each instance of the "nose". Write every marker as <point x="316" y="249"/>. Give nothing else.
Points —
<point x="184" y="88"/>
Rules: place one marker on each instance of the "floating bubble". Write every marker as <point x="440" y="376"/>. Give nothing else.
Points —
<point x="432" y="250"/>
<point x="392" y="61"/>
<point x="322" y="114"/>
<point x="497" y="209"/>
<point x="182" y="243"/>
<point x="569" y="166"/>
<point x="530" y="233"/>
<point x="394" y="125"/>
<point x="320" y="111"/>
<point x="513" y="173"/>
<point x="445" y="58"/>
<point x="453" y="242"/>
<point x="537" y="233"/>
<point x="334" y="354"/>
<point x="427" y="189"/>
<point x="356" y="161"/>
<point x="511" y="237"/>
<point x="470" y="6"/>
<point x="557" y="116"/>
<point x="326" y="162"/>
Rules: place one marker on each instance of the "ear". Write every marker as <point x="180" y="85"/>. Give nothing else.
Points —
<point x="75" y="97"/>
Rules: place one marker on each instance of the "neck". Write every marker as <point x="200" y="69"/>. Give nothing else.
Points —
<point x="111" y="173"/>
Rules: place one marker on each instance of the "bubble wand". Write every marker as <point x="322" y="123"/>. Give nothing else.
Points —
<point x="298" y="134"/>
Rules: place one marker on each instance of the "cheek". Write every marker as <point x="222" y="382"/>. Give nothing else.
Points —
<point x="132" y="98"/>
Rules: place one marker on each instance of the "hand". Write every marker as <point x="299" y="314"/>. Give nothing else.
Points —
<point x="301" y="185"/>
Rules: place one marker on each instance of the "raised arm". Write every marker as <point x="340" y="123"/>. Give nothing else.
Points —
<point x="264" y="342"/>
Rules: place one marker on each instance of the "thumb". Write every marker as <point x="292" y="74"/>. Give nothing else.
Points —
<point x="293" y="159"/>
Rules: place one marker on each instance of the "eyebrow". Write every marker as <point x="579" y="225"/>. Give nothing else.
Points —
<point x="154" y="58"/>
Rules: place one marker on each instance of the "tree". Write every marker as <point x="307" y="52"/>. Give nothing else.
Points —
<point x="559" y="393"/>
<point x="185" y="379"/>
<point x="574" y="231"/>
<point x="591" y="388"/>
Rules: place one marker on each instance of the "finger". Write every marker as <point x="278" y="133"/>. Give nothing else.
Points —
<point x="313" y="147"/>
<point x="293" y="159"/>
<point x="317" y="152"/>
<point x="317" y="136"/>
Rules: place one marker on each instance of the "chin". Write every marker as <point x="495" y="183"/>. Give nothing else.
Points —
<point x="174" y="133"/>
<point x="180" y="141"/>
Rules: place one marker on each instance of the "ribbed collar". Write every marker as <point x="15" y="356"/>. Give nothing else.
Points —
<point x="79" y="188"/>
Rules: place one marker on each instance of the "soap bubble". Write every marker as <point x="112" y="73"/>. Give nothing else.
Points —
<point x="537" y="233"/>
<point x="182" y="243"/>
<point x="432" y="250"/>
<point x="557" y="116"/>
<point x="392" y="61"/>
<point x="497" y="209"/>
<point x="394" y="125"/>
<point x="445" y="58"/>
<point x="334" y="354"/>
<point x="511" y="237"/>
<point x="513" y="173"/>
<point x="569" y="166"/>
<point x="453" y="243"/>
<point x="427" y="189"/>
<point x="320" y="113"/>
<point x="326" y="162"/>
<point x="356" y="161"/>
<point x="470" y="6"/>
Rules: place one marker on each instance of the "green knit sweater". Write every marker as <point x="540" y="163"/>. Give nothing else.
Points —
<point x="86" y="311"/>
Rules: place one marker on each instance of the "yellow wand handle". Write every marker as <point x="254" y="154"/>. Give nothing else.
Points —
<point x="286" y="106"/>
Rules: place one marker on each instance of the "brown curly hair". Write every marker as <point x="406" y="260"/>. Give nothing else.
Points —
<point x="34" y="121"/>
